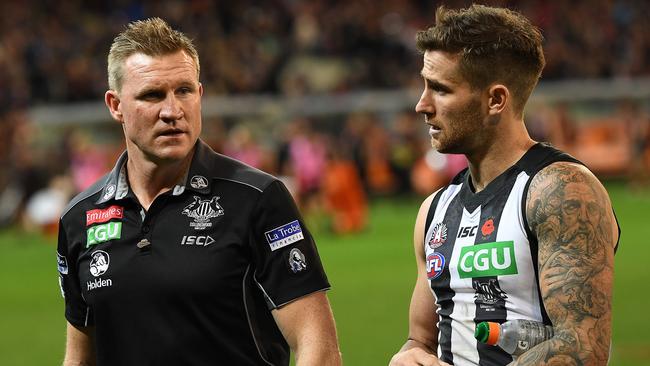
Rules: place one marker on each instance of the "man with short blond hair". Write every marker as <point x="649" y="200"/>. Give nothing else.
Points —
<point x="180" y="255"/>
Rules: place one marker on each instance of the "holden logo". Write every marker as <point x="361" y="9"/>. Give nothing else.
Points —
<point x="99" y="263"/>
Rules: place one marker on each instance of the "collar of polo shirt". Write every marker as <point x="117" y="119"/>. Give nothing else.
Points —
<point x="116" y="185"/>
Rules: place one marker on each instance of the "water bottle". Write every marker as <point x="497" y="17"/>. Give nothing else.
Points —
<point x="514" y="336"/>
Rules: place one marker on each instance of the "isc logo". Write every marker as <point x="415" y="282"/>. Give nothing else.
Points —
<point x="435" y="265"/>
<point x="199" y="240"/>
<point x="467" y="231"/>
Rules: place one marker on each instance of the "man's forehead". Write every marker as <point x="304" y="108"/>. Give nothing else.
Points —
<point x="146" y="70"/>
<point x="177" y="61"/>
<point x="441" y="65"/>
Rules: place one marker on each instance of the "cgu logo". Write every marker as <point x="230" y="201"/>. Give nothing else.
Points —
<point x="489" y="259"/>
<point x="101" y="233"/>
<point x="467" y="231"/>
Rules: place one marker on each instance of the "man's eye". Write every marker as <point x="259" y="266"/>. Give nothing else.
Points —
<point x="437" y="87"/>
<point x="153" y="96"/>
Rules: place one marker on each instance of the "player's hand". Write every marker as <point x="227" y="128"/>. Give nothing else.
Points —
<point x="415" y="357"/>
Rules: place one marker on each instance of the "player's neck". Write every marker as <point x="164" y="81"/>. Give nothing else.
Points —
<point x="496" y="157"/>
<point x="149" y="179"/>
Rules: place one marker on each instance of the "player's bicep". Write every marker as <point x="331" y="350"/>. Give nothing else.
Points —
<point x="570" y="213"/>
<point x="423" y="318"/>
<point x="79" y="348"/>
<point x="307" y="325"/>
<point x="422" y="311"/>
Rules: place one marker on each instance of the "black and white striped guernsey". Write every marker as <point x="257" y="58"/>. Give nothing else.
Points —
<point x="481" y="258"/>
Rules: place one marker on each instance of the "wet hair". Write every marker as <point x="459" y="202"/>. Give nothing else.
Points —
<point x="152" y="37"/>
<point x="494" y="44"/>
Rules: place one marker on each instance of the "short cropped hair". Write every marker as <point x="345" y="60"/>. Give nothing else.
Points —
<point x="152" y="37"/>
<point x="495" y="45"/>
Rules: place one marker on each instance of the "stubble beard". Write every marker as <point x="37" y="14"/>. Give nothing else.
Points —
<point x="460" y="138"/>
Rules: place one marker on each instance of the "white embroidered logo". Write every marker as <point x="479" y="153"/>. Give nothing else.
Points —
<point x="202" y="211"/>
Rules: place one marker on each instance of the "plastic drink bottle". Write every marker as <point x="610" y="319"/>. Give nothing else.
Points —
<point x="514" y="336"/>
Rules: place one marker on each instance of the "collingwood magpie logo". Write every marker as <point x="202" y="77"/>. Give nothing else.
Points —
<point x="202" y="211"/>
<point x="488" y="292"/>
<point x="297" y="261"/>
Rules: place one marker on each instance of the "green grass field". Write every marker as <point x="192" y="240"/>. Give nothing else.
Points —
<point x="372" y="276"/>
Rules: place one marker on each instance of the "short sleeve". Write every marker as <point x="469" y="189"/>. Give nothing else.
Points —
<point x="287" y="264"/>
<point x="77" y="311"/>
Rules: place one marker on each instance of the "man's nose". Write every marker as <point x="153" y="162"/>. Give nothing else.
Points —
<point x="171" y="109"/>
<point x="425" y="104"/>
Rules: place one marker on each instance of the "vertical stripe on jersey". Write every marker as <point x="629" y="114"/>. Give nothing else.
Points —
<point x="534" y="251"/>
<point x="490" y="299"/>
<point x="441" y="291"/>
<point x="462" y="338"/>
<point x="525" y="303"/>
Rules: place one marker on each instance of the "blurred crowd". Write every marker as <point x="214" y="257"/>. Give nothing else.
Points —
<point x="55" y="52"/>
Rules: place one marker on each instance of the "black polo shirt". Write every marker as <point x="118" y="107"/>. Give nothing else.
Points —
<point x="193" y="280"/>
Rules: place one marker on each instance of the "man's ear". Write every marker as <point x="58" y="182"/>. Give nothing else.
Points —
<point x="112" y="100"/>
<point x="498" y="98"/>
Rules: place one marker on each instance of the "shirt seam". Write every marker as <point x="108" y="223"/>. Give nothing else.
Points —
<point x="248" y="319"/>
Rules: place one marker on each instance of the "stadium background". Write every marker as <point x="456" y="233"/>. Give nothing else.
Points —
<point x="320" y="93"/>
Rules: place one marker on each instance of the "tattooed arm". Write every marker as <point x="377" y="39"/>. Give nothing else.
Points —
<point x="569" y="211"/>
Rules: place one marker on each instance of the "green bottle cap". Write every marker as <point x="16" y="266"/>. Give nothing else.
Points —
<point x="482" y="332"/>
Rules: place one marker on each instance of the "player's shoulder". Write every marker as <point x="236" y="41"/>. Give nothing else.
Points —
<point x="426" y="204"/>
<point x="562" y="187"/>
<point x="222" y="167"/>
<point x="87" y="197"/>
<point x="559" y="174"/>
<point x="427" y="208"/>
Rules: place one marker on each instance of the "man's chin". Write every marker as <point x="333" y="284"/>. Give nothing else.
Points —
<point x="170" y="154"/>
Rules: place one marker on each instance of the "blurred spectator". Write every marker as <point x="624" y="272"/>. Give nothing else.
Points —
<point x="45" y="207"/>
<point x="52" y="51"/>
<point x="407" y="146"/>
<point x="637" y="124"/>
<point x="343" y="193"/>
<point x="242" y="146"/>
<point x="377" y="150"/>
<point x="434" y="170"/>
<point x="307" y="155"/>
<point x="88" y="162"/>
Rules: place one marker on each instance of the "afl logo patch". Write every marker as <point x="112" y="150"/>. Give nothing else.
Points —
<point x="435" y="265"/>
<point x="438" y="236"/>
<point x="99" y="263"/>
<point x="198" y="182"/>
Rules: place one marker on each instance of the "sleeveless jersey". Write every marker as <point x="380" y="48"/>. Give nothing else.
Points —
<point x="481" y="258"/>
